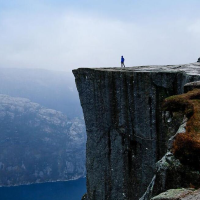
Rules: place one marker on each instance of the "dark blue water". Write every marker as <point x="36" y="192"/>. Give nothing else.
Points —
<point x="69" y="190"/>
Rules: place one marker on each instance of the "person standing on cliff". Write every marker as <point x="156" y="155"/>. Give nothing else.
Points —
<point x="122" y="61"/>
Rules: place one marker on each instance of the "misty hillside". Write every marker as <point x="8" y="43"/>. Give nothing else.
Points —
<point x="38" y="144"/>
<point x="52" y="89"/>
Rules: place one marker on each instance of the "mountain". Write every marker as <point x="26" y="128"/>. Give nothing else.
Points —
<point x="38" y="144"/>
<point x="52" y="89"/>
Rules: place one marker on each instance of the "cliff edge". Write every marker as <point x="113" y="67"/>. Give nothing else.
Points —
<point x="127" y="130"/>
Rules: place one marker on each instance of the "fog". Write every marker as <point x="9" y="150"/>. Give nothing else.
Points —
<point x="60" y="36"/>
<point x="51" y="89"/>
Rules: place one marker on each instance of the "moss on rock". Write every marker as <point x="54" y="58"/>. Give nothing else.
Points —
<point x="186" y="146"/>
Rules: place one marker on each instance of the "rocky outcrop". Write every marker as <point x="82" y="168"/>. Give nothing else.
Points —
<point x="38" y="144"/>
<point x="170" y="173"/>
<point x="180" y="167"/>
<point x="179" y="194"/>
<point x="126" y="128"/>
<point x="191" y="86"/>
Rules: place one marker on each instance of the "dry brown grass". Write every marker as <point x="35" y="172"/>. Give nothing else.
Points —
<point x="186" y="146"/>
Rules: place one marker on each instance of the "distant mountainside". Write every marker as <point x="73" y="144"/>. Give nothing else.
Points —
<point x="38" y="144"/>
<point x="52" y="89"/>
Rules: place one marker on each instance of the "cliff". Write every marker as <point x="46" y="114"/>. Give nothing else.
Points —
<point x="180" y="166"/>
<point x="127" y="131"/>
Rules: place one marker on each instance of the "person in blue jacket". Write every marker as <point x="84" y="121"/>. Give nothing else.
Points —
<point x="122" y="61"/>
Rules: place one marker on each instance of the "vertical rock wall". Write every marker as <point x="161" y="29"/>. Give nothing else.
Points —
<point x="126" y="134"/>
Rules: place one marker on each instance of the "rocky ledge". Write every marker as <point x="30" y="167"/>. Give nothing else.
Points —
<point x="127" y="128"/>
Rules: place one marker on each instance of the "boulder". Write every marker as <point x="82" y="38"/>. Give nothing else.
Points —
<point x="190" y="86"/>
<point x="179" y="194"/>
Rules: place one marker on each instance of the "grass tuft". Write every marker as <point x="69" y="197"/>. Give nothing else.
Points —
<point x="186" y="146"/>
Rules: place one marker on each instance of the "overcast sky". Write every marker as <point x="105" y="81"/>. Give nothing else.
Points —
<point x="68" y="34"/>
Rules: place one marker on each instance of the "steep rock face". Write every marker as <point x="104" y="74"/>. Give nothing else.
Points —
<point x="126" y="128"/>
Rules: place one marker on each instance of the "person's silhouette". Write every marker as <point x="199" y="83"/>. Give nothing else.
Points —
<point x="122" y="61"/>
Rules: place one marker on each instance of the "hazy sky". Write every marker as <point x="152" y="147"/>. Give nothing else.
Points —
<point x="68" y="34"/>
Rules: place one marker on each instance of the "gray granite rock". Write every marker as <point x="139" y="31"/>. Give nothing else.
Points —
<point x="174" y="194"/>
<point x="179" y="194"/>
<point x="170" y="173"/>
<point x="127" y="131"/>
<point x="191" y="86"/>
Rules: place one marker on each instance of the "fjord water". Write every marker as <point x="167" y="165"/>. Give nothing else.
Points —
<point x="68" y="190"/>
